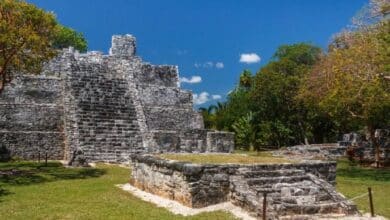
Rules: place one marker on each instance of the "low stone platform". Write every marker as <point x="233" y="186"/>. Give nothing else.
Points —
<point x="292" y="189"/>
<point x="330" y="151"/>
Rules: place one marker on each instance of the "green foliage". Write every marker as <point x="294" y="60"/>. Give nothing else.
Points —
<point x="274" y="133"/>
<point x="281" y="119"/>
<point x="246" y="80"/>
<point x="244" y="131"/>
<point x="303" y="95"/>
<point x="67" y="37"/>
<point x="298" y="54"/>
<point x="350" y="82"/>
<point x="25" y="40"/>
<point x="29" y="37"/>
<point x="208" y="116"/>
<point x="276" y="117"/>
<point x="223" y="115"/>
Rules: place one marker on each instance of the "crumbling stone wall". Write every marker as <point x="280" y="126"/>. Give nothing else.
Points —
<point x="293" y="189"/>
<point x="330" y="151"/>
<point x="103" y="108"/>
<point x="31" y="122"/>
<point x="363" y="148"/>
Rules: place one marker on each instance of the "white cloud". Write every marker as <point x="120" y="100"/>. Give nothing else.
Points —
<point x="216" y="97"/>
<point x="209" y="64"/>
<point x="204" y="97"/>
<point x="192" y="80"/>
<point x="201" y="98"/>
<point x="219" y="65"/>
<point x="249" y="58"/>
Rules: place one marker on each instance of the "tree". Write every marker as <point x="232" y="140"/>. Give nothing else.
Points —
<point x="350" y="81"/>
<point x="277" y="118"/>
<point x="66" y="37"/>
<point x="25" y="40"/>
<point x="245" y="133"/>
<point x="370" y="14"/>
<point x="273" y="96"/>
<point x="237" y="104"/>
<point x="246" y="79"/>
<point x="208" y="115"/>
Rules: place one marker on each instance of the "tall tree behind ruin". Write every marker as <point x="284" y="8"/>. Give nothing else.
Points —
<point x="26" y="34"/>
<point x="29" y="36"/>
<point x="350" y="81"/>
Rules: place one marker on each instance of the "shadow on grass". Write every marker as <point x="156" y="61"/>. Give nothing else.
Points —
<point x="26" y="173"/>
<point x="4" y="192"/>
<point x="345" y="169"/>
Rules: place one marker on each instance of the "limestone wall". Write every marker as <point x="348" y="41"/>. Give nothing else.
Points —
<point x="292" y="189"/>
<point x="190" y="184"/>
<point x="106" y="120"/>
<point x="200" y="185"/>
<point x="31" y="117"/>
<point x="104" y="107"/>
<point x="166" y="76"/>
<point x="330" y="151"/>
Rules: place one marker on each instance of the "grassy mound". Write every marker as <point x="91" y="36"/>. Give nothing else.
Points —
<point x="216" y="158"/>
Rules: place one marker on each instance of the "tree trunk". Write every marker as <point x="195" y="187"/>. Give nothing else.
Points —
<point x="306" y="141"/>
<point x="303" y="133"/>
<point x="375" y="144"/>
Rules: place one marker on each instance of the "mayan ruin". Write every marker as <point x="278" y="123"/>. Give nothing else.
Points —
<point x="206" y="110"/>
<point x="103" y="108"/>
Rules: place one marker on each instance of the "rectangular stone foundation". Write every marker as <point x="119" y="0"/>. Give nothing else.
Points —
<point x="201" y="185"/>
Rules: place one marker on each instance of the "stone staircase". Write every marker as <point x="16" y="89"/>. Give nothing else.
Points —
<point x="291" y="194"/>
<point x="105" y="115"/>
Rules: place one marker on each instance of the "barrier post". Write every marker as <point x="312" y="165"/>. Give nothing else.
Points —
<point x="264" y="206"/>
<point x="371" y="202"/>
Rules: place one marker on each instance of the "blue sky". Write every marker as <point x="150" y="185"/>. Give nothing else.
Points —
<point x="206" y="38"/>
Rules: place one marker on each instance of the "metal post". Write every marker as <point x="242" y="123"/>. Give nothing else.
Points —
<point x="371" y="202"/>
<point x="264" y="206"/>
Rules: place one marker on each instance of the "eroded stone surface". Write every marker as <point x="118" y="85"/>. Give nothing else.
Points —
<point x="105" y="106"/>
<point x="292" y="189"/>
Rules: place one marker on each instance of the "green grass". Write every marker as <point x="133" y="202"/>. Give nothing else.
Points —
<point x="354" y="180"/>
<point x="55" y="192"/>
<point x="261" y="158"/>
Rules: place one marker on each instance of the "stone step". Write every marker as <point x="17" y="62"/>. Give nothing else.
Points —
<point x="272" y="173"/>
<point x="267" y="190"/>
<point x="295" y="209"/>
<point x="274" y="180"/>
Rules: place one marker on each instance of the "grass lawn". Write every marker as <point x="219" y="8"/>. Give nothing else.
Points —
<point x="29" y="191"/>
<point x="55" y="192"/>
<point x="354" y="180"/>
<point x="261" y="158"/>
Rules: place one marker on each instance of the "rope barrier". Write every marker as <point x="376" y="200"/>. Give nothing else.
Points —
<point x="359" y="196"/>
<point x="335" y="203"/>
